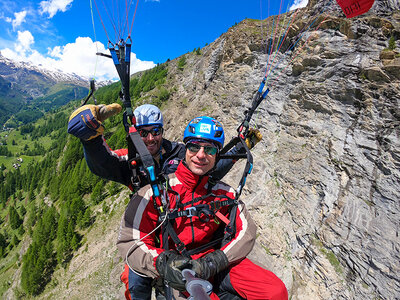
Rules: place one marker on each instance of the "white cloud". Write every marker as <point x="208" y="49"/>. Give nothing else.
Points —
<point x="78" y="57"/>
<point x="298" y="4"/>
<point x="53" y="6"/>
<point x="25" y="40"/>
<point x="19" y="18"/>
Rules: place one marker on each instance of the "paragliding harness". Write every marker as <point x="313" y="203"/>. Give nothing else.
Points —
<point x="206" y="212"/>
<point x="139" y="158"/>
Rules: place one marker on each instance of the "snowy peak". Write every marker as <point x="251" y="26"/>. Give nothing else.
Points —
<point x="33" y="78"/>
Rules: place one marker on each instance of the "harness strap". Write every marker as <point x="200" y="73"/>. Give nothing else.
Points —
<point x="180" y="247"/>
<point x="137" y="152"/>
<point x="203" y="211"/>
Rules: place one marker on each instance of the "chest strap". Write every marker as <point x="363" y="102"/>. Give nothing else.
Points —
<point x="203" y="211"/>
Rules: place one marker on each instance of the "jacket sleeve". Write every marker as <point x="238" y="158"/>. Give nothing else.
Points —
<point x="106" y="163"/>
<point x="243" y="241"/>
<point x="136" y="239"/>
<point x="224" y="165"/>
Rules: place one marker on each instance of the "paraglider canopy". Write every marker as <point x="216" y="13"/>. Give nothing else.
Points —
<point x="353" y="8"/>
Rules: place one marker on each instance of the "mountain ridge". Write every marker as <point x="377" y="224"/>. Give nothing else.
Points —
<point x="33" y="83"/>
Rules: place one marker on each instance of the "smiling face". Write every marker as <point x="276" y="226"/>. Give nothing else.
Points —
<point x="152" y="142"/>
<point x="200" y="162"/>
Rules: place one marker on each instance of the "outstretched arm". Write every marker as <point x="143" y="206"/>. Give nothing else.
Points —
<point x="107" y="163"/>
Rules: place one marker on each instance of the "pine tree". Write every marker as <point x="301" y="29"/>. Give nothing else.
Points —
<point x="75" y="242"/>
<point x="15" y="219"/>
<point x="96" y="196"/>
<point x="86" y="219"/>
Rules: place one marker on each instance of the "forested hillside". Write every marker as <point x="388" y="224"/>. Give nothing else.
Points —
<point x="11" y="97"/>
<point x="48" y="202"/>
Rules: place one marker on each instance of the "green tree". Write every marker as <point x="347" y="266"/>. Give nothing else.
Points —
<point x="31" y="219"/>
<point x="392" y="43"/>
<point x="3" y="244"/>
<point x="105" y="208"/>
<point x="86" y="219"/>
<point x="62" y="242"/>
<point x="14" y="241"/>
<point x="114" y="188"/>
<point x="15" y="219"/>
<point x="182" y="63"/>
<point x="97" y="196"/>
<point x="75" y="242"/>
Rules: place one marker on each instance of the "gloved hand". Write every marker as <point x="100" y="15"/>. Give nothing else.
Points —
<point x="253" y="137"/>
<point x="86" y="121"/>
<point x="210" y="264"/>
<point x="169" y="265"/>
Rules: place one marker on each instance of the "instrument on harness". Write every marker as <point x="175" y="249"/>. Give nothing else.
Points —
<point x="199" y="289"/>
<point x="91" y="93"/>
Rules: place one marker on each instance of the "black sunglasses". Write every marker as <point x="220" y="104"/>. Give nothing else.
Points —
<point x="192" y="147"/>
<point x="154" y="131"/>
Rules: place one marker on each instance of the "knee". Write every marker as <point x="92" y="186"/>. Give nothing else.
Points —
<point x="279" y="291"/>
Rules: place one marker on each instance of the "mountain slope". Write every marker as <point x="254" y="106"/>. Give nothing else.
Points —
<point x="34" y="83"/>
<point x="325" y="185"/>
<point x="11" y="98"/>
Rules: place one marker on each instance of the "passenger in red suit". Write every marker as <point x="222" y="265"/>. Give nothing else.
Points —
<point x="198" y="226"/>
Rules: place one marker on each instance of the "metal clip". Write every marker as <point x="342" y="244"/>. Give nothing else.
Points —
<point x="189" y="210"/>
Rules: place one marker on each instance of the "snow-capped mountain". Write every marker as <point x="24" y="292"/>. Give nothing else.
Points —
<point x="34" y="80"/>
<point x="25" y="88"/>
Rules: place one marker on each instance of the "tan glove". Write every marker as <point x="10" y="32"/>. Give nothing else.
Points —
<point x="86" y="121"/>
<point x="106" y="111"/>
<point x="253" y="137"/>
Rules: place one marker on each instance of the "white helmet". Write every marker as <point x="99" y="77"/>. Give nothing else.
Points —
<point x="148" y="114"/>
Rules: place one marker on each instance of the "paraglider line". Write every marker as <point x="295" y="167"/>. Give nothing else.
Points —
<point x="133" y="19"/>
<point x="298" y="38"/>
<point x="298" y="53"/>
<point x="101" y="20"/>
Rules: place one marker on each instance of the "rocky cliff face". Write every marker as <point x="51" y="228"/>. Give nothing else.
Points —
<point x="325" y="188"/>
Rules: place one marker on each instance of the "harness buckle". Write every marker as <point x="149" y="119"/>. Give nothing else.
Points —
<point x="180" y="247"/>
<point x="190" y="211"/>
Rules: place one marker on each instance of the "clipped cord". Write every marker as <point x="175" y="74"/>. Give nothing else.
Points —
<point x="130" y="249"/>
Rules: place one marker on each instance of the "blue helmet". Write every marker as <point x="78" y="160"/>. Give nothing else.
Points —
<point x="205" y="128"/>
<point x="148" y="114"/>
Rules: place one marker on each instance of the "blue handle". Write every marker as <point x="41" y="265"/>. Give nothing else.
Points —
<point x="153" y="178"/>
<point x="114" y="56"/>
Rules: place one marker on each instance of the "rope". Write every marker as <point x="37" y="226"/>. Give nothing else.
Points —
<point x="101" y="20"/>
<point x="133" y="19"/>
<point x="284" y="38"/>
<point x="140" y="240"/>
<point x="273" y="43"/>
<point x="95" y="40"/>
<point x="299" y="52"/>
<point x="297" y="39"/>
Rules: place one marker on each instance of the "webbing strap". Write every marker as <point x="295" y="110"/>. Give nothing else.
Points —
<point x="178" y="243"/>
<point x="136" y="146"/>
<point x="198" y="210"/>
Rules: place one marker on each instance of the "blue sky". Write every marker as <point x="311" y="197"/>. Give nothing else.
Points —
<point x="59" y="34"/>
